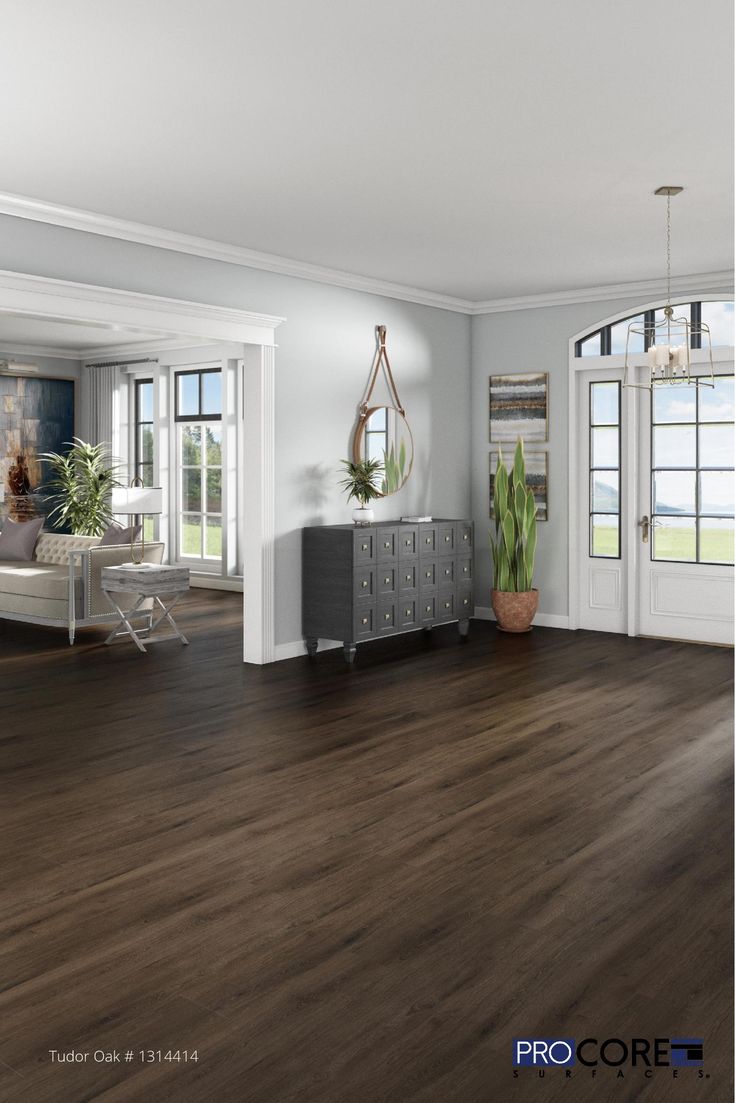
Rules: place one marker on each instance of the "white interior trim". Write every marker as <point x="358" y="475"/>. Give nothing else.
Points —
<point x="607" y="364"/>
<point x="37" y="210"/>
<point x="255" y="334"/>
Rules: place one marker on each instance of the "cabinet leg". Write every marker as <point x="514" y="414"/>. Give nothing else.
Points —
<point x="311" y="646"/>
<point x="350" y="650"/>
<point x="464" y="628"/>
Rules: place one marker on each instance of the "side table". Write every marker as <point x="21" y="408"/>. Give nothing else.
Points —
<point x="147" y="583"/>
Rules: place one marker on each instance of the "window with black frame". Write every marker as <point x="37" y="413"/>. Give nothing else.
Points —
<point x="718" y="316"/>
<point x="604" y="470"/>
<point x="693" y="472"/>
<point x="144" y="437"/>
<point x="198" y="414"/>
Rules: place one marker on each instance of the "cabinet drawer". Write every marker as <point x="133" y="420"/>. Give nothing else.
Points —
<point x="407" y="612"/>
<point x="386" y="579"/>
<point x="427" y="608"/>
<point x="363" y="585"/>
<point x="407" y="577"/>
<point x="464" y="569"/>
<point x="445" y="603"/>
<point x="446" y="572"/>
<point x="387" y="617"/>
<point x="427" y="575"/>
<point x="364" y="547"/>
<point x="463" y="537"/>
<point x="408" y="545"/>
<point x="464" y="602"/>
<point x="445" y="540"/>
<point x="364" y="622"/>
<point x="427" y="540"/>
<point x="386" y="542"/>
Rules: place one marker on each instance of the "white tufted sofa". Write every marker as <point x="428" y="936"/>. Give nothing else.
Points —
<point x="61" y="584"/>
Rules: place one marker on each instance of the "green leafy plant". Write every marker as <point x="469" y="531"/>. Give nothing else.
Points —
<point x="81" y="485"/>
<point x="514" y="543"/>
<point x="359" y="481"/>
<point x="394" y="468"/>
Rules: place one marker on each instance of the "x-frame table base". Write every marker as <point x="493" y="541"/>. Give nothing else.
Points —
<point x="144" y="635"/>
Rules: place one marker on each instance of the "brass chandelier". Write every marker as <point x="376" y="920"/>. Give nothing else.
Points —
<point x="668" y="342"/>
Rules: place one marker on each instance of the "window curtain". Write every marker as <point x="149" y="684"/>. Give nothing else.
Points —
<point x="103" y="394"/>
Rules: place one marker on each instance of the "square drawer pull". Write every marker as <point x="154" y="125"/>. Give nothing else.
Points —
<point x="464" y="535"/>
<point x="386" y="543"/>
<point x="447" y="570"/>
<point x="364" y="620"/>
<point x="428" y="608"/>
<point x="408" y="578"/>
<point x="447" y="539"/>
<point x="408" y="543"/>
<point x="447" y="604"/>
<point x="408" y="612"/>
<point x="364" y="547"/>
<point x="465" y="570"/>
<point x="364" y="584"/>
<point x="466" y="601"/>
<point x="428" y="574"/>
<point x="428" y="539"/>
<point x="386" y="616"/>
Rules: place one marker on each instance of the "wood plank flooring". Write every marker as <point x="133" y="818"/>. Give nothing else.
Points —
<point x="358" y="885"/>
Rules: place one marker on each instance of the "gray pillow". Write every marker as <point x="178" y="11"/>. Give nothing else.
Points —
<point x="18" y="538"/>
<point x="115" y="535"/>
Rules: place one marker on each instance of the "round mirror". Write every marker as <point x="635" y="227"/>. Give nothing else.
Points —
<point x="383" y="434"/>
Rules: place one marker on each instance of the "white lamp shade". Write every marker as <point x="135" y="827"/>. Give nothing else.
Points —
<point x="137" y="499"/>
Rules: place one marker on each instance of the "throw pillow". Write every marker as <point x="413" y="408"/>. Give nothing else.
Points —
<point x="18" y="539"/>
<point x="116" y="535"/>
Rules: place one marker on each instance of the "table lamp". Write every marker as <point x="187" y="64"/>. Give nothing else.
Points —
<point x="137" y="501"/>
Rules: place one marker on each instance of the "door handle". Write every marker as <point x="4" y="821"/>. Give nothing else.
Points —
<point x="646" y="527"/>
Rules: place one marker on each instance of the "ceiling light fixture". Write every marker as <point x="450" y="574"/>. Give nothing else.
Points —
<point x="668" y="343"/>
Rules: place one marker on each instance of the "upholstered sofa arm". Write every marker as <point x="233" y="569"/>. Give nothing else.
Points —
<point x="92" y="561"/>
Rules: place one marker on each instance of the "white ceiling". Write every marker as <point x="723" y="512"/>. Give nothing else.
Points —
<point x="39" y="336"/>
<point x="476" y="149"/>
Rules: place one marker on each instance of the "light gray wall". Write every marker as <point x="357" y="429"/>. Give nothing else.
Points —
<point x="322" y="365"/>
<point x="534" y="341"/>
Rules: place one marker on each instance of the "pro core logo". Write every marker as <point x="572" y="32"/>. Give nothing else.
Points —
<point x="547" y="1053"/>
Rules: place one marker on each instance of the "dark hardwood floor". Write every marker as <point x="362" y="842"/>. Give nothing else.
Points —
<point x="358" y="885"/>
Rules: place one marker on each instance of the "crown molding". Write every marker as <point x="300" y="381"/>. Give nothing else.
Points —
<point x="19" y="206"/>
<point x="64" y="300"/>
<point x="680" y="285"/>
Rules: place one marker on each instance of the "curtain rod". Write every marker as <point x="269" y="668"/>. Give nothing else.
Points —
<point x="122" y="363"/>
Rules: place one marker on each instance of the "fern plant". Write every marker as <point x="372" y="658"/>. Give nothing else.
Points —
<point x="514" y="543"/>
<point x="359" y="481"/>
<point x="81" y="487"/>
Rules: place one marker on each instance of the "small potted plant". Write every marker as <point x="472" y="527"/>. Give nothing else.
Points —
<point x="80" y="487"/>
<point x="359" y="483"/>
<point x="514" y="600"/>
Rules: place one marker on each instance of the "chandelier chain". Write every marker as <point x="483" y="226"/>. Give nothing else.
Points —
<point x="668" y="250"/>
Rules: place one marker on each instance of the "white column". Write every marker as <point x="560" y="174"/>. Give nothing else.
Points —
<point x="258" y="388"/>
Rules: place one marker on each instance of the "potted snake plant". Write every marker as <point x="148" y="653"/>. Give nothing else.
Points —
<point x="514" y="600"/>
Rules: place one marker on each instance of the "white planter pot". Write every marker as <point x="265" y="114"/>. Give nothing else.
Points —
<point x="363" y="516"/>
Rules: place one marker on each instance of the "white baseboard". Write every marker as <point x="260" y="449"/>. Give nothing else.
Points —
<point x="205" y="582"/>
<point x="543" y="620"/>
<point x="298" y="647"/>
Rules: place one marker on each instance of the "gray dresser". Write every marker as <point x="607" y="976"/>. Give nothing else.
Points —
<point x="360" y="583"/>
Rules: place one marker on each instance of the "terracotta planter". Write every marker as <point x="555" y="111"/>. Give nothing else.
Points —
<point x="514" y="612"/>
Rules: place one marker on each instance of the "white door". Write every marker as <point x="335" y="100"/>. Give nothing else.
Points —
<point x="655" y="505"/>
<point x="686" y="494"/>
